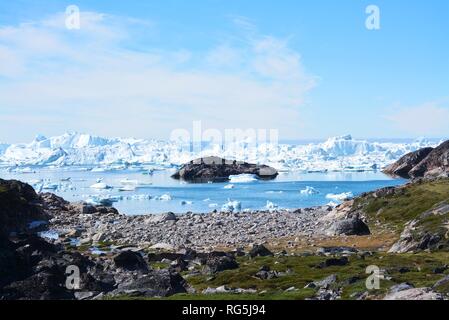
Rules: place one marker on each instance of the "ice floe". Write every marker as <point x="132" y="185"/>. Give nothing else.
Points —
<point x="309" y="190"/>
<point x="242" y="178"/>
<point x="232" y="206"/>
<point x="164" y="197"/>
<point x="100" y="186"/>
<point x="270" y="206"/>
<point x="339" y="197"/>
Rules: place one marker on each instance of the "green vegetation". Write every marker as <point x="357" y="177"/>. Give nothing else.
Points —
<point x="416" y="269"/>
<point x="395" y="210"/>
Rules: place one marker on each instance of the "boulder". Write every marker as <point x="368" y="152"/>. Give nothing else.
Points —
<point x="414" y="294"/>
<point x="218" y="169"/>
<point x="333" y="262"/>
<point x="218" y="264"/>
<point x="157" y="283"/>
<point x="259" y="251"/>
<point x="130" y="260"/>
<point x="349" y="227"/>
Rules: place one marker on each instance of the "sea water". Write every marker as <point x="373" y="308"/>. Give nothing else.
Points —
<point x="158" y="192"/>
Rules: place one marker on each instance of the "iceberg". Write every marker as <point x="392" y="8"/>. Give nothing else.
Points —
<point x="100" y="185"/>
<point x="229" y="186"/>
<point x="164" y="197"/>
<point x="270" y="206"/>
<point x="242" y="178"/>
<point x="127" y="188"/>
<point x="342" y="153"/>
<point x="309" y="190"/>
<point x="232" y="206"/>
<point x="339" y="197"/>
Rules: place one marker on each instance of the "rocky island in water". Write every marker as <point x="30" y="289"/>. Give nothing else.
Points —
<point x="313" y="253"/>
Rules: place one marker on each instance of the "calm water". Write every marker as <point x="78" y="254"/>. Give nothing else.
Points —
<point x="283" y="191"/>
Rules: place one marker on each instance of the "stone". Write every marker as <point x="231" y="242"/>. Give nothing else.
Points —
<point x="157" y="283"/>
<point x="130" y="260"/>
<point x="218" y="264"/>
<point x="333" y="262"/>
<point x="351" y="226"/>
<point x="259" y="251"/>
<point x="414" y="294"/>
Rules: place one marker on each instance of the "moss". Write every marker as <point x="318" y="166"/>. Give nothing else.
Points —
<point x="351" y="278"/>
<point x="395" y="210"/>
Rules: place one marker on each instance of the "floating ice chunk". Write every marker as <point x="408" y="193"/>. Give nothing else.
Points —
<point x="309" y="190"/>
<point x="206" y="200"/>
<point x="339" y="197"/>
<point x="50" y="186"/>
<point x="103" y="200"/>
<point x="272" y="192"/>
<point x="242" y="178"/>
<point x="128" y="181"/>
<point x="213" y="205"/>
<point x="127" y="188"/>
<point x="229" y="186"/>
<point x="140" y="197"/>
<point x="98" y="170"/>
<point x="232" y="206"/>
<point x="184" y="203"/>
<point x="100" y="185"/>
<point x="164" y="197"/>
<point x="270" y="206"/>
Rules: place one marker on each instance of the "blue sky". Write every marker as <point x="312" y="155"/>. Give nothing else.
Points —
<point x="144" y="68"/>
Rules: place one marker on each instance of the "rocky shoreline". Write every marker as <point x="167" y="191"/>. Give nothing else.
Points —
<point x="197" y="231"/>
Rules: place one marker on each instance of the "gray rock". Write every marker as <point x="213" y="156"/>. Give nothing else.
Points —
<point x="415" y="294"/>
<point x="349" y="227"/>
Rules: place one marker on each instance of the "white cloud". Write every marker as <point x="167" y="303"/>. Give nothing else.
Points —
<point x="429" y="119"/>
<point x="90" y="81"/>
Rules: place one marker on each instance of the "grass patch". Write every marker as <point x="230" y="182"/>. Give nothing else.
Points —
<point x="416" y="269"/>
<point x="394" y="211"/>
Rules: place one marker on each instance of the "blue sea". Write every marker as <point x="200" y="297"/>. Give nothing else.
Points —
<point x="74" y="184"/>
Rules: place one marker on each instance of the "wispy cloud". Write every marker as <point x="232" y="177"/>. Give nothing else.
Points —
<point x="90" y="80"/>
<point x="428" y="119"/>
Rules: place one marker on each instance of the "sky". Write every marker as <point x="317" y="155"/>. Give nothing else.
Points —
<point x="310" y="69"/>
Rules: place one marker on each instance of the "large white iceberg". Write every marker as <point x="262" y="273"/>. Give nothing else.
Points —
<point x="342" y="153"/>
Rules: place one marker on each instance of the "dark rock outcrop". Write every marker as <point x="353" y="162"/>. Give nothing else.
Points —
<point x="426" y="162"/>
<point x="19" y="205"/>
<point x="218" y="169"/>
<point x="404" y="165"/>
<point x="435" y="164"/>
<point x="157" y="283"/>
